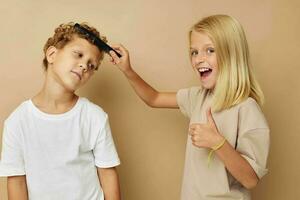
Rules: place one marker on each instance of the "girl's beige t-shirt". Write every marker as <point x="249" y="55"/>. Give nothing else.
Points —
<point x="244" y="127"/>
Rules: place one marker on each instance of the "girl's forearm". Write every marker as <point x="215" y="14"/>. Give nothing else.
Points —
<point x="238" y="166"/>
<point x="147" y="93"/>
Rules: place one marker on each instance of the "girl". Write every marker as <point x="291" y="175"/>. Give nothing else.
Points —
<point x="225" y="114"/>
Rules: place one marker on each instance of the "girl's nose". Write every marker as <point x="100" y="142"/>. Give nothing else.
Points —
<point x="200" y="58"/>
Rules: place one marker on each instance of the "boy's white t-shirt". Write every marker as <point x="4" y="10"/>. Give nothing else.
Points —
<point x="58" y="153"/>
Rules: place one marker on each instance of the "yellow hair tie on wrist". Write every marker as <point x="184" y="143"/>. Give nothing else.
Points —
<point x="213" y="149"/>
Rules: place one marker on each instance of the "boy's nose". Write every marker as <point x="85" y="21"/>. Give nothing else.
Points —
<point x="83" y="67"/>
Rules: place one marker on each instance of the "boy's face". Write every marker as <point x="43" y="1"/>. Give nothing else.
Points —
<point x="74" y="64"/>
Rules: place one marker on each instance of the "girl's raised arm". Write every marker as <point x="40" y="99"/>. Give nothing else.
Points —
<point x="148" y="94"/>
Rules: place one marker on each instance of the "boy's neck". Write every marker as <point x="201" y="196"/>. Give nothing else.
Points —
<point x="54" y="99"/>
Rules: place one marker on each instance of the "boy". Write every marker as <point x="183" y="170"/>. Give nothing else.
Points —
<point x="58" y="145"/>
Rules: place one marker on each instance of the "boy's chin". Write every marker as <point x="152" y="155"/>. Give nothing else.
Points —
<point x="71" y="87"/>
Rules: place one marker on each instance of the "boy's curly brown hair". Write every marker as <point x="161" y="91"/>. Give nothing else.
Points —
<point x="64" y="33"/>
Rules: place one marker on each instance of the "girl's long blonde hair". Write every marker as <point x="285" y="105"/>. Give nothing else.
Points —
<point x="235" y="81"/>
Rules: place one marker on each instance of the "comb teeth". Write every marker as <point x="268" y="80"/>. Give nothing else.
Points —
<point x="95" y="40"/>
<point x="85" y="32"/>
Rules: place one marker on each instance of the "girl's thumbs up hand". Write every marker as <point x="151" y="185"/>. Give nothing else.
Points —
<point x="205" y="134"/>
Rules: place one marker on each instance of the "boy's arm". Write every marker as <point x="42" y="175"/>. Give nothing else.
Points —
<point x="109" y="181"/>
<point x="17" y="188"/>
<point x="148" y="94"/>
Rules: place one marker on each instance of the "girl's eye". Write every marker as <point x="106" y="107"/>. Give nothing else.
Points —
<point x="193" y="53"/>
<point x="210" y="50"/>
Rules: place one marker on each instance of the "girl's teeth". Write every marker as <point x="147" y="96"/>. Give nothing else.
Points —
<point x="203" y="69"/>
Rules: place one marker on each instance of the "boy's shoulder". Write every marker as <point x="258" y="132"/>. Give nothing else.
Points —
<point x="92" y="109"/>
<point x="18" y="113"/>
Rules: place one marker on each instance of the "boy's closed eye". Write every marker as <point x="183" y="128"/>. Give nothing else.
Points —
<point x="91" y="66"/>
<point x="78" y="54"/>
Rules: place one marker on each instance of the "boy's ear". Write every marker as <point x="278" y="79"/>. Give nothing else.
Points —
<point x="51" y="54"/>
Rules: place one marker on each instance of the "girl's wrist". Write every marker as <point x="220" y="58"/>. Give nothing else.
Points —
<point x="218" y="141"/>
<point x="128" y="72"/>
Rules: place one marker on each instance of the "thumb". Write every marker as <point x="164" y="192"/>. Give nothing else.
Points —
<point x="209" y="117"/>
<point x="114" y="57"/>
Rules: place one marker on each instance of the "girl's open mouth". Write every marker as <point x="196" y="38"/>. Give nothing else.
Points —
<point x="204" y="71"/>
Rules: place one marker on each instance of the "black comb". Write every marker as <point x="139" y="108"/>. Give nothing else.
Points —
<point x="96" y="40"/>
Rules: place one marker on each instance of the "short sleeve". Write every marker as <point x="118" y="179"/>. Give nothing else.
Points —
<point x="104" y="151"/>
<point x="186" y="99"/>
<point x="12" y="160"/>
<point x="253" y="139"/>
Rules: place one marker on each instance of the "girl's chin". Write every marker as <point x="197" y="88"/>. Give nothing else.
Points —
<point x="207" y="86"/>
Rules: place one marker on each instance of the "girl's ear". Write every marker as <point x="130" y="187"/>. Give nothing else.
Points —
<point x="51" y="54"/>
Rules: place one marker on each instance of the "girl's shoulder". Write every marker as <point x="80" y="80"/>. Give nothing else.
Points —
<point x="193" y="89"/>
<point x="192" y="95"/>
<point x="193" y="92"/>
<point x="249" y="102"/>
<point x="251" y="114"/>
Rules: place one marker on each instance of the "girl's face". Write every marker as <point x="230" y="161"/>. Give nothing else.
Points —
<point x="204" y="59"/>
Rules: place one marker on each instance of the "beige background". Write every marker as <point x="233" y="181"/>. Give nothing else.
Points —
<point x="151" y="142"/>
